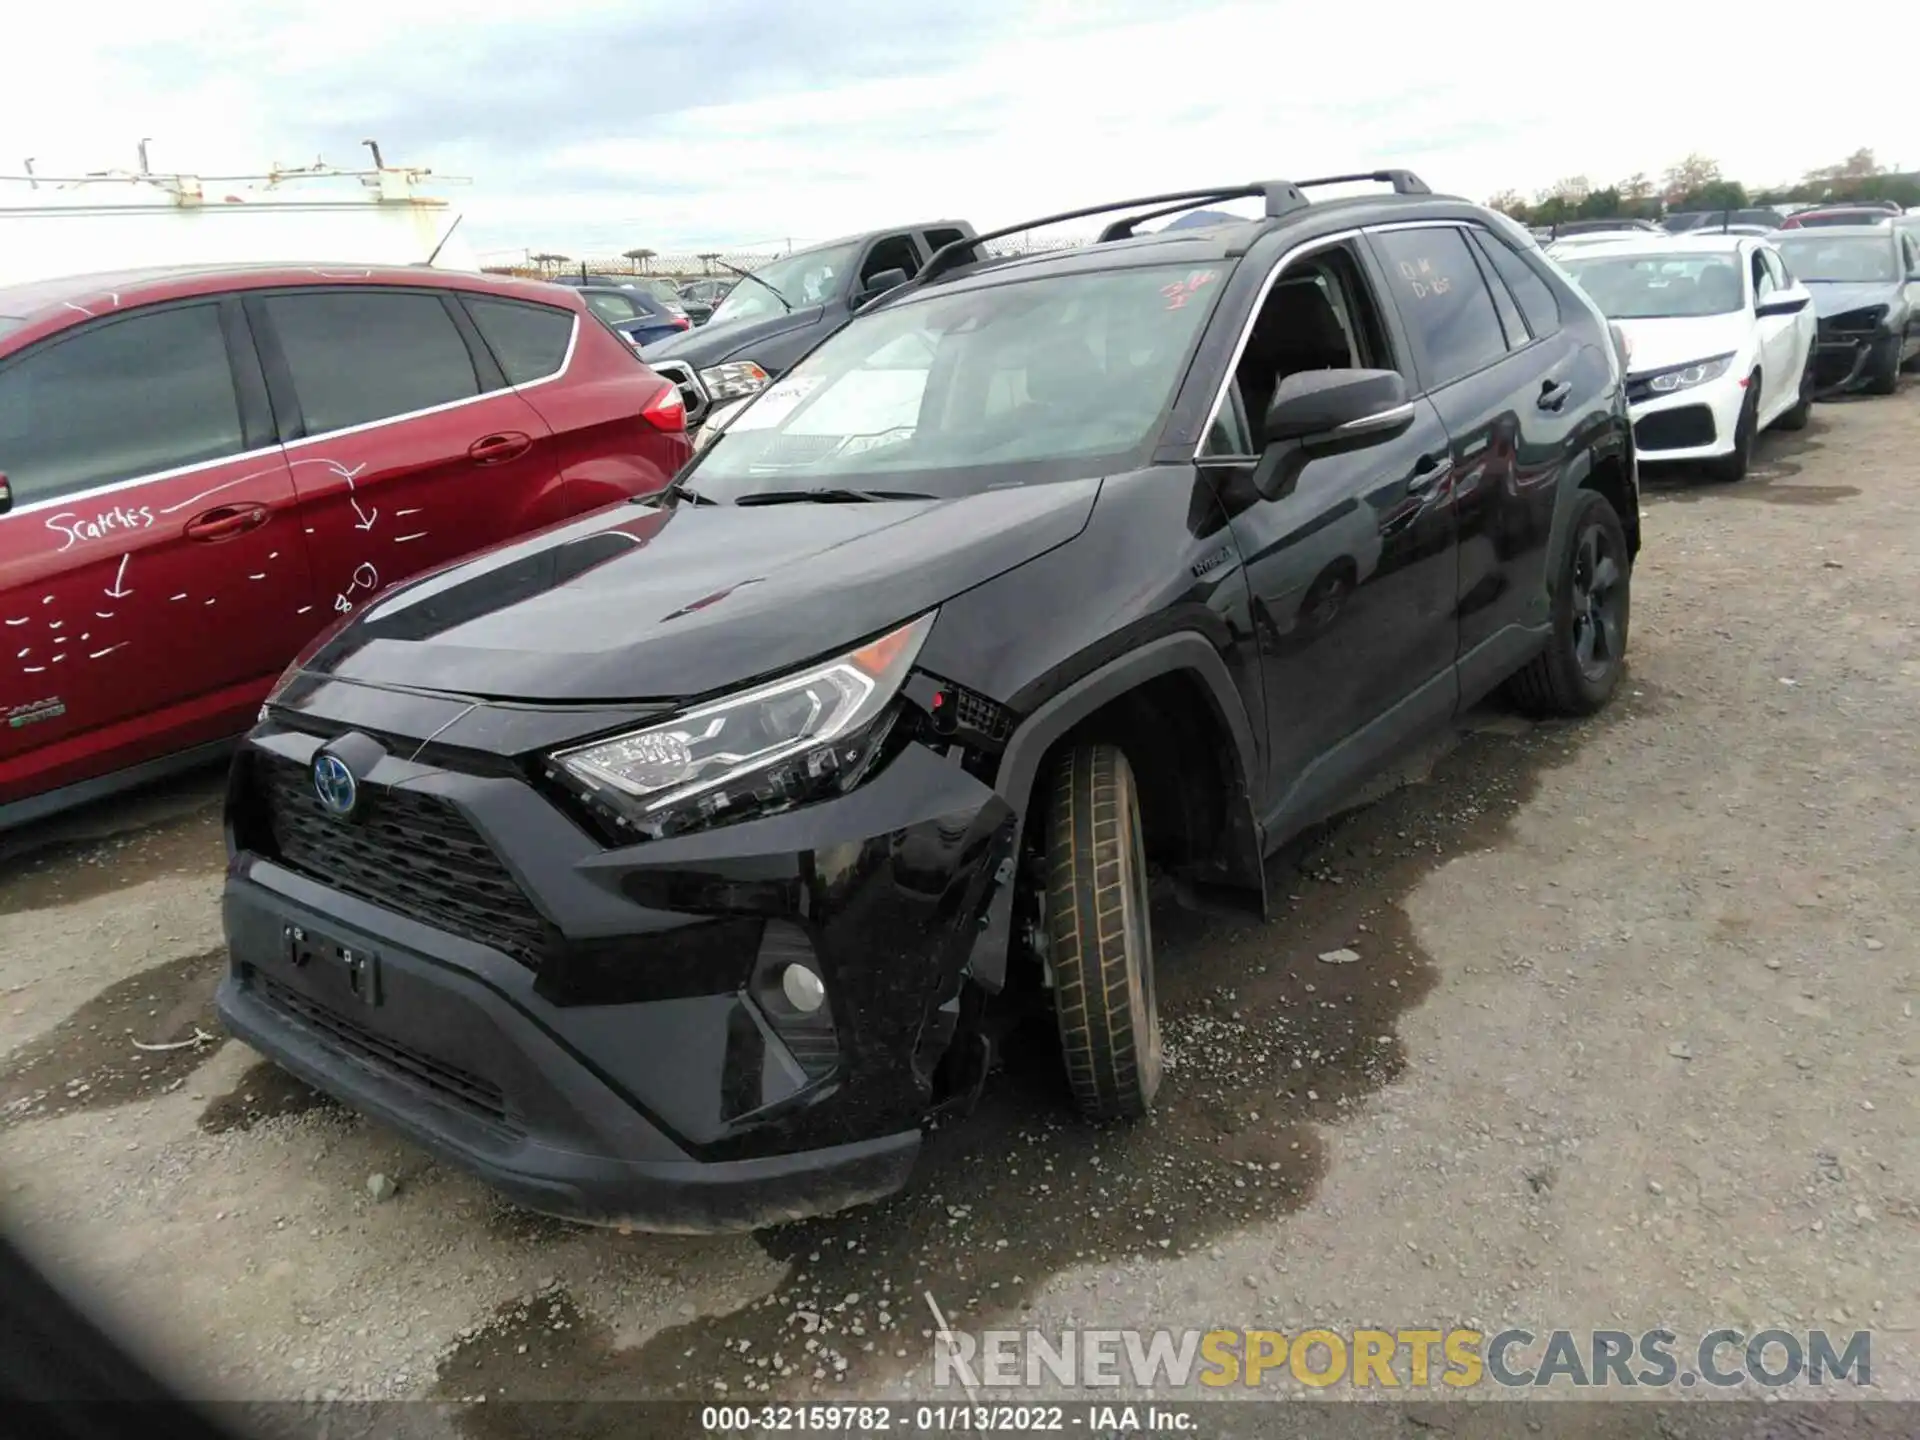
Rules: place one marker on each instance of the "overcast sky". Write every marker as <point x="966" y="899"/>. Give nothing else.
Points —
<point x="592" y="126"/>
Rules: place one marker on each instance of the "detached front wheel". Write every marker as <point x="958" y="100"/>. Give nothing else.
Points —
<point x="1099" y="941"/>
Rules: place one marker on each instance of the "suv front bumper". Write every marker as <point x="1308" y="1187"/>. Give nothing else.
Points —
<point x="611" y="1045"/>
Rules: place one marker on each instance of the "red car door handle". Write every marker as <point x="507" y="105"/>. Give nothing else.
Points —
<point x="492" y="449"/>
<point x="223" y="522"/>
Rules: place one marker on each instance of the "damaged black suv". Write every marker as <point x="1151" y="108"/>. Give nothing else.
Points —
<point x="672" y="868"/>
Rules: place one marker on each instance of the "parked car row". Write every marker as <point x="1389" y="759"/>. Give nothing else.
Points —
<point x="1733" y="332"/>
<point x="672" y="863"/>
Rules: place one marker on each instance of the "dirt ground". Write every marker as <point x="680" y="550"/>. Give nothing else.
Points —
<point x="1630" y="1041"/>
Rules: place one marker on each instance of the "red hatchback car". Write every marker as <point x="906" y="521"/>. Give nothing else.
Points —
<point x="201" y="468"/>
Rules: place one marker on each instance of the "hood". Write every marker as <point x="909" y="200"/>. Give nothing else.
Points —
<point x="676" y="600"/>
<point x="1660" y="344"/>
<point x="1837" y="297"/>
<point x="711" y="343"/>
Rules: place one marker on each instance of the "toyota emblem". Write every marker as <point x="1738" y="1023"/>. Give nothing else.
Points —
<point x="334" y="784"/>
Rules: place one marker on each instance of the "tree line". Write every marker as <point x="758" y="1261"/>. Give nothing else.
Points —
<point x="1696" y="183"/>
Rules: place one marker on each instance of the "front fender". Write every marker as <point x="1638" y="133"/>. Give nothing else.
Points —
<point x="1026" y="751"/>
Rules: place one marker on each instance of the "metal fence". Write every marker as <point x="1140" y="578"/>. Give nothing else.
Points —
<point x="716" y="263"/>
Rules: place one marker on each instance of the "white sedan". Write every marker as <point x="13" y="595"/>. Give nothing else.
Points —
<point x="1719" y="336"/>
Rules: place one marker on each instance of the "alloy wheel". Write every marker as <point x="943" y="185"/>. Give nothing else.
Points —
<point x="1597" y="597"/>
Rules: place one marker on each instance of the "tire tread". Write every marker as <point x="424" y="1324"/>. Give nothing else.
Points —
<point x="1088" y="835"/>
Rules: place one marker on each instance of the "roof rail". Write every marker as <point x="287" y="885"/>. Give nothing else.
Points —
<point x="1280" y="196"/>
<point x="1404" y="182"/>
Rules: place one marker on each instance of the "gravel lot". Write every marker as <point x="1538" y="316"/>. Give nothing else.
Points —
<point x="1630" y="1040"/>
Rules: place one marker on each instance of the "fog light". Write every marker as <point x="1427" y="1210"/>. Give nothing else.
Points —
<point x="805" y="991"/>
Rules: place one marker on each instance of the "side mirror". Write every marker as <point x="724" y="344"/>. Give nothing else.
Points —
<point x="1327" y="412"/>
<point x="879" y="284"/>
<point x="1783" y="305"/>
<point x="1338" y="405"/>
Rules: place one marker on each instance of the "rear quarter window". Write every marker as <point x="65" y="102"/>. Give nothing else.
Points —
<point x="1530" y="291"/>
<point x="529" y="341"/>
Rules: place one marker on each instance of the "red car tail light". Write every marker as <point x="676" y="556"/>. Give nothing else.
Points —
<point x="666" y="410"/>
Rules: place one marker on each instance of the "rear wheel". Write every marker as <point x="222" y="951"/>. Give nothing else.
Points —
<point x="1733" y="466"/>
<point x="1592" y="601"/>
<point x="1099" y="942"/>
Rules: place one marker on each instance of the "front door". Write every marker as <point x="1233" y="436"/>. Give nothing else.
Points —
<point x="406" y="445"/>
<point x="1352" y="566"/>
<point x="152" y="575"/>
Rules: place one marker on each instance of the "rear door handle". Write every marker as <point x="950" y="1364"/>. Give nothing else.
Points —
<point x="223" y="522"/>
<point x="1553" y="394"/>
<point x="1429" y="471"/>
<point x="492" y="449"/>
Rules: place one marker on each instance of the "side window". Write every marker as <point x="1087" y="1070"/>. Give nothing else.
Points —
<point x="938" y="239"/>
<point x="1318" y="315"/>
<point x="1777" y="268"/>
<point x="1511" y="324"/>
<point x="1448" y="311"/>
<point x="529" y="341"/>
<point x="362" y="355"/>
<point x="1909" y="254"/>
<point x="1534" y="295"/>
<point x="896" y="252"/>
<point x="118" y="399"/>
<point x="1763" y="282"/>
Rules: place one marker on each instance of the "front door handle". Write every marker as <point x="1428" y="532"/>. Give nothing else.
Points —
<point x="1553" y="394"/>
<point x="1429" y="471"/>
<point x="223" y="522"/>
<point x="493" y="449"/>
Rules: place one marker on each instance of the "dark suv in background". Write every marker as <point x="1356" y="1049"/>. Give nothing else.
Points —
<point x="673" y="868"/>
<point x="774" y="315"/>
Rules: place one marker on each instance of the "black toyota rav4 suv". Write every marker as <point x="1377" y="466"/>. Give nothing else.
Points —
<point x="672" y="868"/>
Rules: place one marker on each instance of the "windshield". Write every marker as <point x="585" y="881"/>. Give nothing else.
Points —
<point x="1859" y="259"/>
<point x="1814" y="220"/>
<point x="1062" y="377"/>
<point x="661" y="289"/>
<point x="810" y="278"/>
<point x="1659" y="287"/>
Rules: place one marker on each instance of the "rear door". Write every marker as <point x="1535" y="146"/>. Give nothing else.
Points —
<point x="152" y="576"/>
<point x="1511" y="392"/>
<point x="406" y="444"/>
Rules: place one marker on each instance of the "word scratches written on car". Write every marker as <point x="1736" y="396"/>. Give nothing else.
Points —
<point x="74" y="527"/>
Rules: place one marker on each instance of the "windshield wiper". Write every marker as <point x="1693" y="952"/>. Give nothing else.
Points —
<point x="785" y="304"/>
<point x="675" y="490"/>
<point x="829" y="495"/>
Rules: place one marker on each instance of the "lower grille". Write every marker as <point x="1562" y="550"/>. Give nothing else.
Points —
<point x="410" y="853"/>
<point x="981" y="715"/>
<point x="1680" y="429"/>
<point x="469" y="1092"/>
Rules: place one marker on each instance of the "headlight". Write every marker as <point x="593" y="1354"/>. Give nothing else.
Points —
<point x="1685" y="377"/>
<point x="812" y="734"/>
<point x="732" y="380"/>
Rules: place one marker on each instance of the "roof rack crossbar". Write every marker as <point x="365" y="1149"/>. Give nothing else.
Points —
<point x="1404" y="182"/>
<point x="1280" y="197"/>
